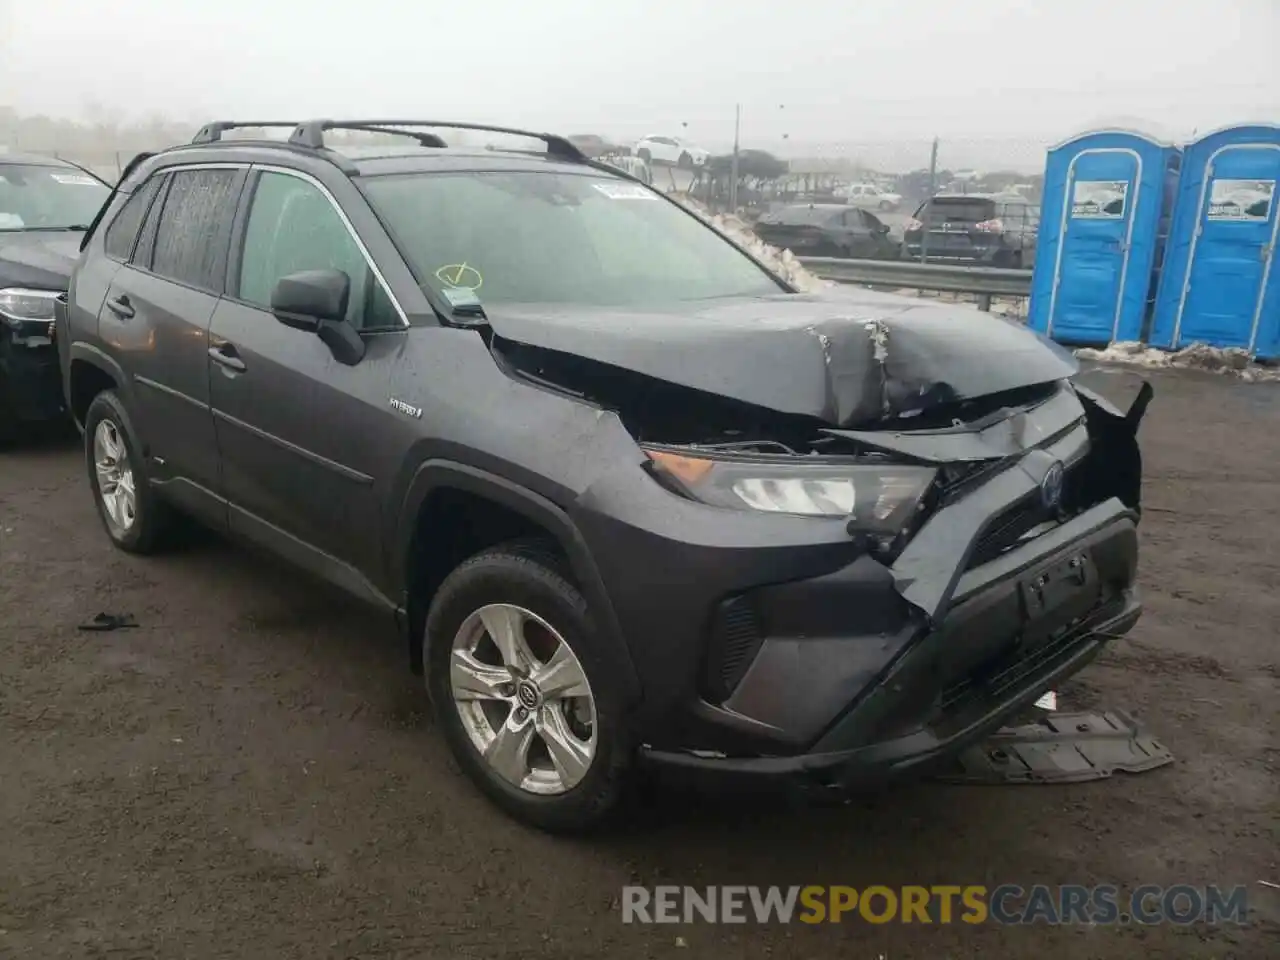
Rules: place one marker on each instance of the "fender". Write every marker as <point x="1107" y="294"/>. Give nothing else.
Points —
<point x="434" y="474"/>
<point x="88" y="353"/>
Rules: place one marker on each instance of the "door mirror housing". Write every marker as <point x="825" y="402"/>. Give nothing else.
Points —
<point x="306" y="299"/>
<point x="316" y="301"/>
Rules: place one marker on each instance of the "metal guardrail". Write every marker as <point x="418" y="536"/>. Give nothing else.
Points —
<point x="986" y="282"/>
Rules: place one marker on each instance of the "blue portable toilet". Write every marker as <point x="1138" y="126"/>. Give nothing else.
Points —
<point x="1106" y="206"/>
<point x="1220" y="283"/>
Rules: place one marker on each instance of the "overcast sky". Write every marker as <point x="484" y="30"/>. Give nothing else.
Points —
<point x="818" y="71"/>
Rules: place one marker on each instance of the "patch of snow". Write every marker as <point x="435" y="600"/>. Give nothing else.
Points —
<point x="781" y="262"/>
<point x="1231" y="361"/>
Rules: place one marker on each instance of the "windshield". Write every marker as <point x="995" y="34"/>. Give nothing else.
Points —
<point x="534" y="237"/>
<point x="36" y="197"/>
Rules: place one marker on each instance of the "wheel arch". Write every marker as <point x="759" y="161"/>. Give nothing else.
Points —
<point x="531" y="514"/>
<point x="89" y="372"/>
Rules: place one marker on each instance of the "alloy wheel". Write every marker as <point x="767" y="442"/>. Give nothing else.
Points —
<point x="115" y="476"/>
<point x="524" y="699"/>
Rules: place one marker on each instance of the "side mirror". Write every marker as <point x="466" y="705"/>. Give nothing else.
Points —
<point x="883" y="228"/>
<point x="316" y="301"/>
<point x="306" y="299"/>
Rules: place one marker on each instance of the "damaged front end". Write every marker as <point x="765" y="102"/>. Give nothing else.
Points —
<point x="858" y="583"/>
<point x="888" y="480"/>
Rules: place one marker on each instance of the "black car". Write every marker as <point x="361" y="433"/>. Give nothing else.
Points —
<point x="827" y="230"/>
<point x="45" y="205"/>
<point x="970" y="228"/>
<point x="633" y="501"/>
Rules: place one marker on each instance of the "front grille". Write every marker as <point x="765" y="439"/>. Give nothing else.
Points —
<point x="735" y="640"/>
<point x="1016" y="521"/>
<point x="1008" y="528"/>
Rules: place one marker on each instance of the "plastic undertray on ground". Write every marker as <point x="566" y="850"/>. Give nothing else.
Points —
<point x="1061" y="748"/>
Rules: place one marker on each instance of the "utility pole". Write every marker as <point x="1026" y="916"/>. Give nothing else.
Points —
<point x="733" y="165"/>
<point x="928" y="206"/>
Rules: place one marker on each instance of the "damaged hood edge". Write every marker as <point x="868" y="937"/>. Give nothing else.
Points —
<point x="843" y="360"/>
<point x="1011" y="435"/>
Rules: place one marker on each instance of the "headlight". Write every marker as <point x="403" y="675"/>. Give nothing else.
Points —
<point x="18" y="304"/>
<point x="880" y="499"/>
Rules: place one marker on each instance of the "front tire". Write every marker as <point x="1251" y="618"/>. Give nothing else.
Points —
<point x="685" y="162"/>
<point x="645" y="155"/>
<point x="524" y="697"/>
<point x="135" y="519"/>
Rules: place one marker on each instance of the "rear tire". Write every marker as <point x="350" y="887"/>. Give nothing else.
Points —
<point x="685" y="162"/>
<point x="135" y="518"/>
<point x="645" y="155"/>
<point x="562" y="764"/>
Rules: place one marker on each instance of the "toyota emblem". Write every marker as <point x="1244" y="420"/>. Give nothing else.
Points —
<point x="1051" y="486"/>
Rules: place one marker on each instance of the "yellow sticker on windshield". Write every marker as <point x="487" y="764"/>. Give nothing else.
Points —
<point x="461" y="275"/>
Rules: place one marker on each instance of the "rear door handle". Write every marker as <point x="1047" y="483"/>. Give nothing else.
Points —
<point x="225" y="355"/>
<point x="121" y="307"/>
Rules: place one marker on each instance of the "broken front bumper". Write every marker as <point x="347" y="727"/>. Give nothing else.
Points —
<point x="1022" y="623"/>
<point x="776" y="646"/>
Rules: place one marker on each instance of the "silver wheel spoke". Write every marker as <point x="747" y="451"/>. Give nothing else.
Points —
<point x="561" y="676"/>
<point x="532" y="722"/>
<point x="508" y="752"/>
<point x="570" y="756"/>
<point x="505" y="626"/>
<point x="115" y="476"/>
<point x="473" y="680"/>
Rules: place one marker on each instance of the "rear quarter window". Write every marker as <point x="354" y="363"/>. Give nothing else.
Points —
<point x="123" y="232"/>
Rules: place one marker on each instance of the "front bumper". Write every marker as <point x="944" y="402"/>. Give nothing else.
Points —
<point x="989" y="658"/>
<point x="30" y="380"/>
<point x="775" y="646"/>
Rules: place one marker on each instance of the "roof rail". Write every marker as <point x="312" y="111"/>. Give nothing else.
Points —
<point x="311" y="134"/>
<point x="212" y="132"/>
<point x="423" y="139"/>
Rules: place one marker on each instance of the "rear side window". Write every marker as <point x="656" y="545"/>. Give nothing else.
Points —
<point x="123" y="232"/>
<point x="143" y="252"/>
<point x="190" y="244"/>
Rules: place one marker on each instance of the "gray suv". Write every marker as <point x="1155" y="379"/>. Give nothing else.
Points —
<point x="633" y="501"/>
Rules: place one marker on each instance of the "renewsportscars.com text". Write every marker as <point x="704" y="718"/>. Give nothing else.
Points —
<point x="1009" y="904"/>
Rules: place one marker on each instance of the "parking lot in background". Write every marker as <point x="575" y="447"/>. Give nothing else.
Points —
<point x="252" y="772"/>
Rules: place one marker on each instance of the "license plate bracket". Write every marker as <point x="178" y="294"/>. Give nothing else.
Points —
<point x="1055" y="585"/>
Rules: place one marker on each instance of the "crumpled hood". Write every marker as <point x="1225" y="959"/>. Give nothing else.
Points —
<point x="851" y="357"/>
<point x="37" y="258"/>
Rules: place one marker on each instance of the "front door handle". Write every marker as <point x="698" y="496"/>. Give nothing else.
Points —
<point x="121" y="307"/>
<point x="225" y="356"/>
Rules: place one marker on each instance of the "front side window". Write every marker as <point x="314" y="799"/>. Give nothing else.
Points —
<point x="293" y="227"/>
<point x="123" y="232"/>
<point x="190" y="235"/>
<point x="43" y="197"/>
<point x="544" y="237"/>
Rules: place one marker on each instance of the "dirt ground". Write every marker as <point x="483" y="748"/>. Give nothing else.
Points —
<point x="252" y="773"/>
